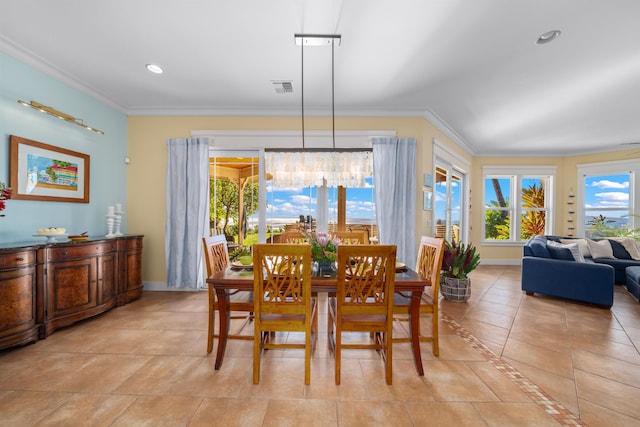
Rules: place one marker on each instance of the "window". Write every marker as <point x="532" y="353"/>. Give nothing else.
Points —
<point x="606" y="202"/>
<point x="287" y="206"/>
<point x="517" y="204"/>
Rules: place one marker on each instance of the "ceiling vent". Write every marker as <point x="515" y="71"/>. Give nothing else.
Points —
<point x="282" y="86"/>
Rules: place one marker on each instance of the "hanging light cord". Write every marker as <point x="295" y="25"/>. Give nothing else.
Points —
<point x="302" y="91"/>
<point x="333" y="94"/>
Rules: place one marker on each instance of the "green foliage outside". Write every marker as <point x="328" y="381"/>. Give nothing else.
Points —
<point x="498" y="222"/>
<point x="223" y="204"/>
<point x="598" y="226"/>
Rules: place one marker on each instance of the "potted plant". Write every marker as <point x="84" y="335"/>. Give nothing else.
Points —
<point x="323" y="252"/>
<point x="458" y="261"/>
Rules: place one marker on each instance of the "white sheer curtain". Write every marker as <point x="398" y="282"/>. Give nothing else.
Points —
<point x="394" y="172"/>
<point x="187" y="205"/>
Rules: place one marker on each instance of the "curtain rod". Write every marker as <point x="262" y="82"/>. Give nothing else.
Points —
<point x="317" y="150"/>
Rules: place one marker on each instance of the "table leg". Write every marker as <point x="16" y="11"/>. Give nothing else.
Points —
<point x="414" y="330"/>
<point x="225" y="319"/>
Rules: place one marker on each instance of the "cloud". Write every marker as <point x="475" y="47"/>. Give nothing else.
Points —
<point x="605" y="184"/>
<point x="610" y="199"/>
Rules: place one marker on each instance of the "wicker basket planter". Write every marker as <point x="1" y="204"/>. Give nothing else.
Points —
<point x="454" y="289"/>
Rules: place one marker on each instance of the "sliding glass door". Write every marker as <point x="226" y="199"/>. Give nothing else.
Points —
<point x="449" y="215"/>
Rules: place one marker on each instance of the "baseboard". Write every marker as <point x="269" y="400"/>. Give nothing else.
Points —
<point x="162" y="286"/>
<point x="500" y="261"/>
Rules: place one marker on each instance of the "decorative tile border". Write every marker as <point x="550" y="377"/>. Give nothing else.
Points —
<point x="561" y="414"/>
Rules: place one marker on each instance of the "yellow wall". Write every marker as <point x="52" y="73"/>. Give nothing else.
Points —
<point x="146" y="184"/>
<point x="147" y="149"/>
<point x="567" y="178"/>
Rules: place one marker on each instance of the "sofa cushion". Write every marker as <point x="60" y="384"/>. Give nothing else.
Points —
<point x="630" y="245"/>
<point x="567" y="252"/>
<point x="582" y="244"/>
<point x="618" y="250"/>
<point x="539" y="248"/>
<point x="600" y="249"/>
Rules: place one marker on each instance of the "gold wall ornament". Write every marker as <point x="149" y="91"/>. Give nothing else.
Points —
<point x="59" y="114"/>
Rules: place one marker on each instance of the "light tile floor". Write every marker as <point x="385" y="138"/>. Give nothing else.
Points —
<point x="506" y="359"/>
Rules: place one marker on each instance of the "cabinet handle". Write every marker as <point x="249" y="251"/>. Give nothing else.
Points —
<point x="19" y="259"/>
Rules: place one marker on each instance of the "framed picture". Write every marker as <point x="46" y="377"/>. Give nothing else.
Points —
<point x="426" y="202"/>
<point x="428" y="180"/>
<point x="44" y="172"/>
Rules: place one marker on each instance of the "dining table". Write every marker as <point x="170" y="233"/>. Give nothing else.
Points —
<point x="227" y="282"/>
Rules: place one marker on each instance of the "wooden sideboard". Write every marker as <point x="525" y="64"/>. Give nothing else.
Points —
<point x="44" y="287"/>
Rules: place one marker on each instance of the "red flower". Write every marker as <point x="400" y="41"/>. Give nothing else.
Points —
<point x="5" y="194"/>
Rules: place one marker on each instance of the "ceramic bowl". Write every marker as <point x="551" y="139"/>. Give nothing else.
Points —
<point x="245" y="260"/>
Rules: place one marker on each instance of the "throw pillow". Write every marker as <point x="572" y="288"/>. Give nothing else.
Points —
<point x="619" y="251"/>
<point x="539" y="248"/>
<point x="568" y="252"/>
<point x="582" y="244"/>
<point x="600" y="249"/>
<point x="630" y="245"/>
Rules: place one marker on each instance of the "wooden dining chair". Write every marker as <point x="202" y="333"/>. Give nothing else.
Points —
<point x="283" y="303"/>
<point x="216" y="257"/>
<point x="357" y="237"/>
<point x="428" y="264"/>
<point x="364" y="301"/>
<point x="294" y="237"/>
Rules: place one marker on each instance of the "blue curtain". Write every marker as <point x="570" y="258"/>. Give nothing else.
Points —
<point x="187" y="211"/>
<point x="394" y="172"/>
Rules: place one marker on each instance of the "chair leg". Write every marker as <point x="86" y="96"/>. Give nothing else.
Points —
<point x="257" y="344"/>
<point x="307" y="359"/>
<point x="388" y="348"/>
<point x="212" y="322"/>
<point x="435" y="347"/>
<point x="337" y="353"/>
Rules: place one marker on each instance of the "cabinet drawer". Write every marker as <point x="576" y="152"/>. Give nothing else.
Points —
<point x="133" y="244"/>
<point x="17" y="259"/>
<point x="80" y="251"/>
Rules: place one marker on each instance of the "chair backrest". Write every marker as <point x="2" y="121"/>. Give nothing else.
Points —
<point x="357" y="237"/>
<point x="282" y="278"/>
<point x="365" y="279"/>
<point x="361" y="228"/>
<point x="216" y="253"/>
<point x="294" y="237"/>
<point x="429" y="262"/>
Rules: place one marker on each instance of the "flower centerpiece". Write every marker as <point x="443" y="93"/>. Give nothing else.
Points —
<point x="457" y="262"/>
<point x="5" y="194"/>
<point x="324" y="252"/>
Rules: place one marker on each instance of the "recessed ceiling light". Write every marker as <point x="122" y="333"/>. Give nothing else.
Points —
<point x="548" y="37"/>
<point x="154" y="68"/>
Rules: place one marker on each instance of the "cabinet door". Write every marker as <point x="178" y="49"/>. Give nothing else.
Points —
<point x="18" y="308"/>
<point x="107" y="270"/>
<point x="131" y="261"/>
<point x="71" y="287"/>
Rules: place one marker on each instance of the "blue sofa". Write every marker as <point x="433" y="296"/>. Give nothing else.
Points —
<point x="587" y="281"/>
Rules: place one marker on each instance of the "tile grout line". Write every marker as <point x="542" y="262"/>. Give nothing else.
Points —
<point x="555" y="409"/>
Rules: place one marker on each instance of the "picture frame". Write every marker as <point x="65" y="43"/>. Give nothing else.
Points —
<point x="427" y="204"/>
<point x="39" y="171"/>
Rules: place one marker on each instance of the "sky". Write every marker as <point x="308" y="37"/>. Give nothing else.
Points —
<point x="287" y="204"/>
<point x="440" y="204"/>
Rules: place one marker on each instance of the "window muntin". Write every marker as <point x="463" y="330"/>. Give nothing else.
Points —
<point x="530" y="214"/>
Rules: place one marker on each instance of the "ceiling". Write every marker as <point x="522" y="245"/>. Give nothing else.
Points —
<point x="471" y="67"/>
